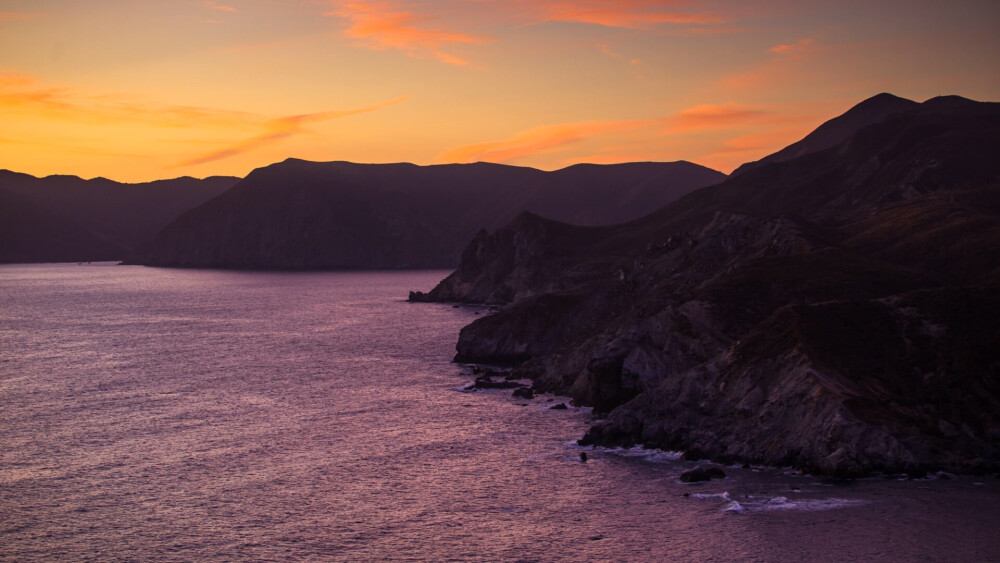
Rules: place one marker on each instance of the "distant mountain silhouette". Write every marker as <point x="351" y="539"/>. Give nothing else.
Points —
<point x="868" y="112"/>
<point x="31" y="232"/>
<point x="835" y="310"/>
<point x="66" y="218"/>
<point x="341" y="215"/>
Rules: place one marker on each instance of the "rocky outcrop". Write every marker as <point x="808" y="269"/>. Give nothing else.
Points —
<point x="834" y="312"/>
<point x="530" y="255"/>
<point x="840" y="388"/>
<point x="523" y="393"/>
<point x="700" y="474"/>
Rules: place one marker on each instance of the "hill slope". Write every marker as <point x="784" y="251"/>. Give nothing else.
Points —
<point x="72" y="219"/>
<point x="341" y="215"/>
<point x="835" y="311"/>
<point x="834" y="131"/>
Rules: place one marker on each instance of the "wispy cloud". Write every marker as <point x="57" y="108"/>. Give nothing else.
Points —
<point x="782" y="66"/>
<point x="717" y="135"/>
<point x="430" y="30"/>
<point x="713" y="116"/>
<point x="278" y="129"/>
<point x="17" y="16"/>
<point x="552" y="138"/>
<point x="219" y="7"/>
<point x="607" y="50"/>
<point x="14" y="79"/>
<point x="384" y="25"/>
<point x="628" y="14"/>
<point x="72" y="148"/>
<point x="733" y="151"/>
<point x="792" y="49"/>
<point x="26" y="95"/>
<point x="541" y="140"/>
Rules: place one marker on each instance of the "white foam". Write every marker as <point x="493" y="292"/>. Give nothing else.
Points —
<point x="638" y="452"/>
<point x="808" y="505"/>
<point x="734" y="507"/>
<point x="750" y="503"/>
<point x="705" y="496"/>
<point x="813" y="505"/>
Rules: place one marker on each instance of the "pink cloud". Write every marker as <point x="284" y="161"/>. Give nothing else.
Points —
<point x="219" y="7"/>
<point x="718" y="135"/>
<point x="628" y="14"/>
<point x="553" y="138"/>
<point x="418" y="29"/>
<point x="713" y="116"/>
<point x="783" y="68"/>
<point x="281" y="128"/>
<point x="792" y="49"/>
<point x="541" y="140"/>
<point x="384" y="25"/>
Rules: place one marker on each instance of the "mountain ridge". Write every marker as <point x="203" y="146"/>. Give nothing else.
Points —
<point x="835" y="130"/>
<point x="299" y="214"/>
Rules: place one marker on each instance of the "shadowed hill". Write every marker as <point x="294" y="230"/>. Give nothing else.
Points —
<point x="31" y="232"/>
<point x="72" y="219"/>
<point x="341" y="215"/>
<point x="868" y="112"/>
<point x="834" y="310"/>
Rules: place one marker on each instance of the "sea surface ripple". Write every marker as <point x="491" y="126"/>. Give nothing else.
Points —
<point x="178" y="415"/>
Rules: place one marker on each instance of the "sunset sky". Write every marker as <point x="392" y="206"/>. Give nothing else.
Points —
<point x="139" y="90"/>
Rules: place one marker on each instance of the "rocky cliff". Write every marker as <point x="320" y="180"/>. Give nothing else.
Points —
<point x="835" y="311"/>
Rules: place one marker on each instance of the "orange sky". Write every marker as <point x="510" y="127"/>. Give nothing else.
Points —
<point x="137" y="91"/>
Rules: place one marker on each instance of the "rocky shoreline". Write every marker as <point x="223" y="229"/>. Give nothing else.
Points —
<point x="834" y="312"/>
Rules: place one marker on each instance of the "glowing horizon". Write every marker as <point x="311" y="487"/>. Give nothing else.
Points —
<point x="144" y="91"/>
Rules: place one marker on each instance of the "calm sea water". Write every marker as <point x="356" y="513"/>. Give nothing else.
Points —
<point x="172" y="415"/>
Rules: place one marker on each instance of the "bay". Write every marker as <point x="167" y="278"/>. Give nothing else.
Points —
<point x="178" y="415"/>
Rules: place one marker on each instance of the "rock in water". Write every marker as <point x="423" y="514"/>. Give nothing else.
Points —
<point x="700" y="474"/>
<point x="524" y="393"/>
<point x="715" y="472"/>
<point x="486" y="382"/>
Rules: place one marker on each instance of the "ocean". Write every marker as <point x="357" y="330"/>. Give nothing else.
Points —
<point x="196" y="415"/>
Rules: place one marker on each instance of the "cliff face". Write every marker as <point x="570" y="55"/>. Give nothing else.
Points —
<point x="339" y="215"/>
<point x="66" y="218"/>
<point x="840" y="387"/>
<point x="835" y="311"/>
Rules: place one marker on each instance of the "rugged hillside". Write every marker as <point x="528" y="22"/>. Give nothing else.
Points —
<point x="312" y="215"/>
<point x="835" y="311"/>
<point x="868" y="112"/>
<point x="66" y="218"/>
